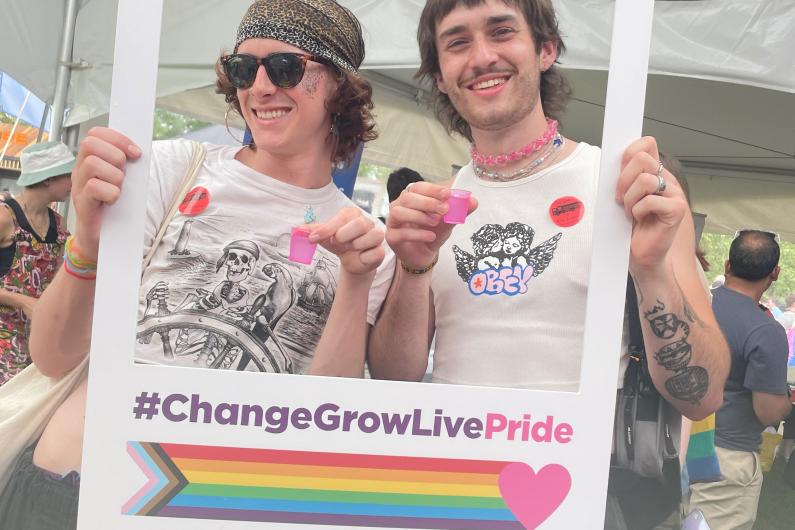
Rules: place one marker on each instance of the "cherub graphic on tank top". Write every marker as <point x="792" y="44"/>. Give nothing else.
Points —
<point x="503" y="259"/>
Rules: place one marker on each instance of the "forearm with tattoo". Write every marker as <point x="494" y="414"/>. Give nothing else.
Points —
<point x="689" y="383"/>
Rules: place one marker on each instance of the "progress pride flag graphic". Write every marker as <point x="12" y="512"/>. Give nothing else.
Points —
<point x="351" y="490"/>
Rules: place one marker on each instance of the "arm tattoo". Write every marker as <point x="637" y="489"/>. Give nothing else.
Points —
<point x="690" y="383"/>
<point x="690" y="314"/>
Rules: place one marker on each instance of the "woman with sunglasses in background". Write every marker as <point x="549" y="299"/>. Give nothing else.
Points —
<point x="293" y="78"/>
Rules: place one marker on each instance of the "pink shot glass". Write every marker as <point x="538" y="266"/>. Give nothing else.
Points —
<point x="301" y="250"/>
<point x="458" y="204"/>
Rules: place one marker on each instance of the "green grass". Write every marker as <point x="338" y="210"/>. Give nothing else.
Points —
<point x="777" y="502"/>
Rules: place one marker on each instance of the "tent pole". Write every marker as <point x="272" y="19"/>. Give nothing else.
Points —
<point x="63" y="71"/>
<point x="70" y="139"/>
<point x="43" y="122"/>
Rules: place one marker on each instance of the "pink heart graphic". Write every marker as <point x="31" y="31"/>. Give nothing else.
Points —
<point x="532" y="497"/>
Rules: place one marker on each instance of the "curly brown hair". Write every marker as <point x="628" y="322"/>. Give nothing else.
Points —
<point x="540" y="16"/>
<point x="350" y="108"/>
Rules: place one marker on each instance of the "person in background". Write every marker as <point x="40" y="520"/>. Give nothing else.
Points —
<point x="673" y="165"/>
<point x="32" y="237"/>
<point x="399" y="180"/>
<point x="756" y="394"/>
<point x="787" y="317"/>
<point x="772" y="306"/>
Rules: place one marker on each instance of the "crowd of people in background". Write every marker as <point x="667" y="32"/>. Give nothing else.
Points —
<point x="756" y="395"/>
<point x="783" y="310"/>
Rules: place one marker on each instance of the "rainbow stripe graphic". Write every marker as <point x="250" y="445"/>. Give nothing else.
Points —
<point x="702" y="460"/>
<point x="234" y="484"/>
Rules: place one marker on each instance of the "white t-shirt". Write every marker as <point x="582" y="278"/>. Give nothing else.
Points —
<point x="510" y="286"/>
<point x="221" y="281"/>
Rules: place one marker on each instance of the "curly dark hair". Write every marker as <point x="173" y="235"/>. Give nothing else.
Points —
<point x="350" y="108"/>
<point x="486" y="238"/>
<point x="399" y="179"/>
<point x="540" y="16"/>
<point x="522" y="232"/>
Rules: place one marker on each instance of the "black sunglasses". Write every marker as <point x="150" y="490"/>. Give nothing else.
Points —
<point x="284" y="69"/>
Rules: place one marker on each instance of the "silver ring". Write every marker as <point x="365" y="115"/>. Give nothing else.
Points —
<point x="660" y="185"/>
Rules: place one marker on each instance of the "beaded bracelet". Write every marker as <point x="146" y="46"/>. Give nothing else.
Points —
<point x="75" y="264"/>
<point x="423" y="270"/>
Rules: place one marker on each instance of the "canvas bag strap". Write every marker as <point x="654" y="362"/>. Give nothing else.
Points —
<point x="637" y="377"/>
<point x="635" y="331"/>
<point x="637" y="348"/>
<point x="199" y="152"/>
<point x="634" y="372"/>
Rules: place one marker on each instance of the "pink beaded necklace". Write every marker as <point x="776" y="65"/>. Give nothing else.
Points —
<point x="524" y="152"/>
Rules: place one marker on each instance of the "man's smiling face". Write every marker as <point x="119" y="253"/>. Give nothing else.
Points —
<point x="488" y="64"/>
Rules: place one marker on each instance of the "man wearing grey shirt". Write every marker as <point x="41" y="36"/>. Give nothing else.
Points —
<point x="756" y="393"/>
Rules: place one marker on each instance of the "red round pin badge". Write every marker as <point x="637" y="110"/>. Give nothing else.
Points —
<point x="566" y="211"/>
<point x="195" y="201"/>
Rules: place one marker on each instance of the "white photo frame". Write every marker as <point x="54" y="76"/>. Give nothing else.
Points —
<point x="171" y="471"/>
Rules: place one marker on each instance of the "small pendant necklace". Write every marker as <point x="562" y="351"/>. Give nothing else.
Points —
<point x="309" y="215"/>
<point x="38" y="230"/>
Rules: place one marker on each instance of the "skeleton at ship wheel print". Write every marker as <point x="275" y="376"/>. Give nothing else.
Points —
<point x="224" y="328"/>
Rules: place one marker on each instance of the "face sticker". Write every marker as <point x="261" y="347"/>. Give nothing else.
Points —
<point x="311" y="81"/>
<point x="566" y="211"/>
<point x="195" y="201"/>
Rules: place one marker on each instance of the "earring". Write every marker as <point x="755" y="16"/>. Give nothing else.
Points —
<point x="226" y="124"/>
<point x="335" y="136"/>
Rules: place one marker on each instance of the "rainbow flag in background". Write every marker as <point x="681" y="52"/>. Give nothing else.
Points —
<point x="236" y="484"/>
<point x="702" y="460"/>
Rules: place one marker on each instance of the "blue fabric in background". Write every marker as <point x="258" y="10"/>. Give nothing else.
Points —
<point x="345" y="177"/>
<point x="12" y="95"/>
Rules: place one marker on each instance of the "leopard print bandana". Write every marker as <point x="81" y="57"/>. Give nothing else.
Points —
<point x="320" y="27"/>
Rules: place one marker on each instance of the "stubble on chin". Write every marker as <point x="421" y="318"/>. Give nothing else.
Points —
<point x="488" y="118"/>
<point x="495" y="117"/>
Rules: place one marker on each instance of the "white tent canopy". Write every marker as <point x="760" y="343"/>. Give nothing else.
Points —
<point x="722" y="97"/>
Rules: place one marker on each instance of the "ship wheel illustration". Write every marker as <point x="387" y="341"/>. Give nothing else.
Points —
<point x="230" y="343"/>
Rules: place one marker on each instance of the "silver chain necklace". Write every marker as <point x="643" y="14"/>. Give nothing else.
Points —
<point x="555" y="145"/>
<point x="36" y="229"/>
